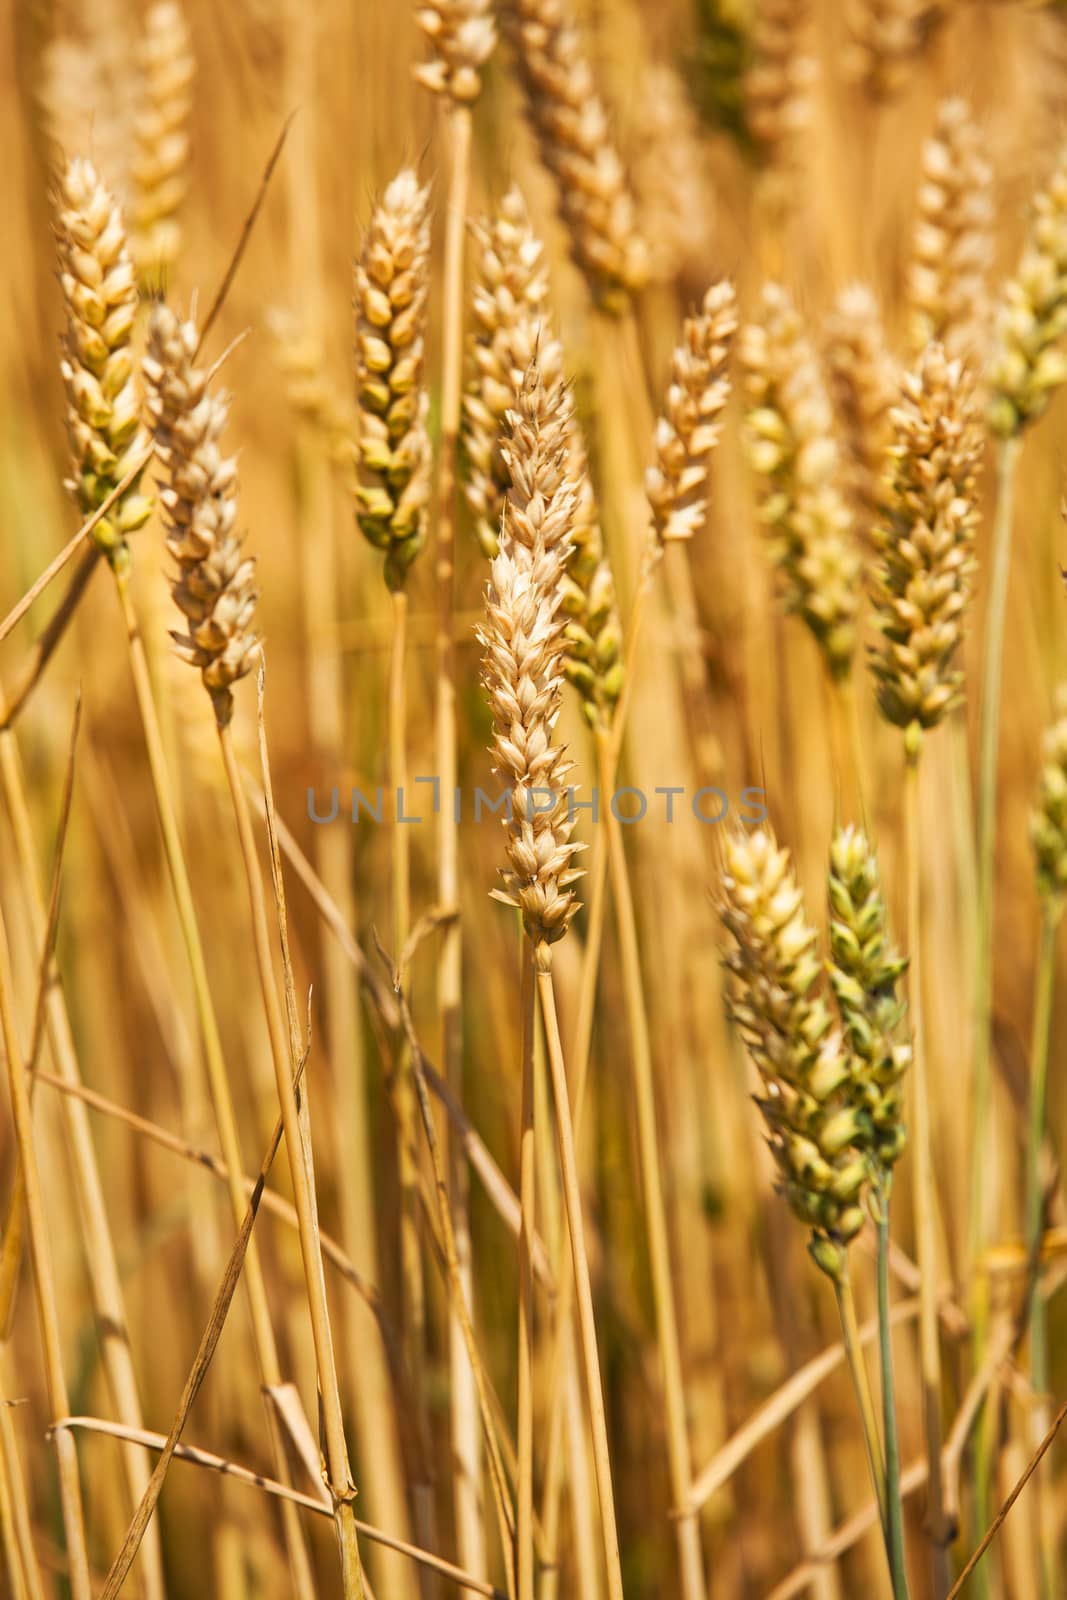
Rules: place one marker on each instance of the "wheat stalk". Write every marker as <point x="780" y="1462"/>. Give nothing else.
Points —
<point x="574" y="137"/>
<point x="213" y="589"/>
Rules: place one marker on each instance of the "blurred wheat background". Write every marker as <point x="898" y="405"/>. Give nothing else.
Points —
<point x="653" y="272"/>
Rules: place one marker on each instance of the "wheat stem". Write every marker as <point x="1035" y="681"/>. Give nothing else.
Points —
<point x="687" y="1529"/>
<point x="466" y="1437"/>
<point x="925" y="1190"/>
<point x="982" y="1191"/>
<point x="894" y="1517"/>
<point x="104" y="1280"/>
<point x="340" y="1485"/>
<point x="572" y="1200"/>
<point x="44" y="1286"/>
<point x="528" y="1203"/>
<point x="850" y="1333"/>
<point x="559" y="1380"/>
<point x="1036" y="1312"/>
<point x="218" y="1079"/>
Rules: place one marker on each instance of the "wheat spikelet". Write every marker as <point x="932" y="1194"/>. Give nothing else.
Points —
<point x="922" y="586"/>
<point x="953" y="239"/>
<point x="85" y="97"/>
<point x="463" y="36"/>
<point x="774" y="997"/>
<point x="510" y="332"/>
<point x="103" y="405"/>
<point x="1026" y="365"/>
<point x="864" y="973"/>
<point x="863" y="386"/>
<point x="308" y="388"/>
<point x="885" y="37"/>
<point x="523" y="669"/>
<point x="689" y="428"/>
<point x="160" y="166"/>
<point x="778" y="80"/>
<point x="574" y="138"/>
<point x="214" y="588"/>
<point x="391" y="285"/>
<point x="508" y="307"/>
<point x="792" y="444"/>
<point x="671" y="179"/>
<point x="1048" y="823"/>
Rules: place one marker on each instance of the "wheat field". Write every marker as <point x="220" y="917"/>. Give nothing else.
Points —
<point x="533" y="799"/>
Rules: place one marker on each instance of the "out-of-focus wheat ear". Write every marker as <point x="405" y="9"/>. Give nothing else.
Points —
<point x="675" y="196"/>
<point x="792" y="445"/>
<point x="1026" y="365"/>
<point x="313" y="397"/>
<point x="215" y="584"/>
<point x="720" y="59"/>
<point x="864" y="384"/>
<point x="688" y="430"/>
<point x="462" y="36"/>
<point x="886" y="38"/>
<point x="921" y="588"/>
<point x="97" y="363"/>
<point x="508" y="311"/>
<point x="1048" y="822"/>
<point x="391" y="286"/>
<point x="160" y="166"/>
<point x="952" y="242"/>
<point x="779" y="80"/>
<point x="576" y="144"/>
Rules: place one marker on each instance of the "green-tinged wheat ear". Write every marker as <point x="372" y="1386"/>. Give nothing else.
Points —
<point x="688" y="430"/>
<point x="99" y="373"/>
<point x="952" y="242"/>
<point x="215" y="584"/>
<point x="722" y="53"/>
<point x="1026" y="365"/>
<point x="391" y="286"/>
<point x="817" y="1133"/>
<point x="576" y="145"/>
<point x="921" y="587"/>
<point x="462" y="35"/>
<point x="792" y="445"/>
<point x="864" y="383"/>
<point x="160" y="165"/>
<point x="1048" y="822"/>
<point x="864" y="973"/>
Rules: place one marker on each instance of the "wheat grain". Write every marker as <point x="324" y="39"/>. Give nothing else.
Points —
<point x="391" y="285"/>
<point x="688" y="430"/>
<point x="103" y="404"/>
<point x="462" y="34"/>
<point x="885" y="38"/>
<point x="523" y="668"/>
<point x="214" y="588"/>
<point x="1026" y="366"/>
<point x="922" y="586"/>
<point x="863" y="385"/>
<point x="576" y="145"/>
<point x="1048" y="823"/>
<point x="952" y="243"/>
<point x="792" y="444"/>
<point x="160" y="165"/>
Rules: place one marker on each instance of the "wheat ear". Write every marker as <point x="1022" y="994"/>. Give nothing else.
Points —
<point x="952" y="240"/>
<point x="160" y="163"/>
